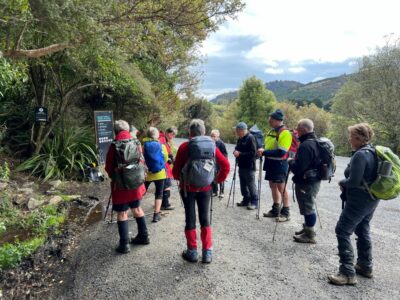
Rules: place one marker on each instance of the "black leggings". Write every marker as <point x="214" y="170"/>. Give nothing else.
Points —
<point x="159" y="187"/>
<point x="203" y="206"/>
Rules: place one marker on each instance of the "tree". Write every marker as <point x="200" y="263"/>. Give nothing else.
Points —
<point x="320" y="117"/>
<point x="373" y="96"/>
<point x="196" y="108"/>
<point x="138" y="52"/>
<point x="255" y="103"/>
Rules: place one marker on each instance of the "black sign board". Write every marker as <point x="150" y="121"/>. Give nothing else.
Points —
<point x="104" y="133"/>
<point x="41" y="114"/>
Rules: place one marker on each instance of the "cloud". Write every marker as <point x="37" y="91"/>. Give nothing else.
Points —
<point x="317" y="79"/>
<point x="297" y="69"/>
<point x="273" y="71"/>
<point x="322" y="31"/>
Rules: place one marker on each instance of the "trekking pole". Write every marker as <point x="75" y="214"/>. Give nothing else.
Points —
<point x="211" y="207"/>
<point x="319" y="219"/>
<point x="108" y="206"/>
<point x="232" y="186"/>
<point x="259" y="190"/>
<point x="280" y="206"/>
<point x="180" y="196"/>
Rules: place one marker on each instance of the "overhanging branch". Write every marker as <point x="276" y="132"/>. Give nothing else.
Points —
<point x="35" y="53"/>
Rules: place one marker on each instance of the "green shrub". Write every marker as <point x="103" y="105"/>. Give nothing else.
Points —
<point x="63" y="156"/>
<point x="5" y="171"/>
<point x="12" y="254"/>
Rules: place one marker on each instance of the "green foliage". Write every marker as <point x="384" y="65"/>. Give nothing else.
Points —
<point x="321" y="118"/>
<point x="373" y="96"/>
<point x="64" y="156"/>
<point x="38" y="222"/>
<point x="227" y="121"/>
<point x="10" y="216"/>
<point x="12" y="254"/>
<point x="255" y="103"/>
<point x="197" y="109"/>
<point x="5" y="171"/>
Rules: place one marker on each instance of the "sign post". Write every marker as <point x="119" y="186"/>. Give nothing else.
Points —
<point x="41" y="114"/>
<point x="104" y="133"/>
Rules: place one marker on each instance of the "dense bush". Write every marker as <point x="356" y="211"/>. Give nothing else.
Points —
<point x="63" y="156"/>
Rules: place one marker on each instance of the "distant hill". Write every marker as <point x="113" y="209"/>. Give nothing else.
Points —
<point x="319" y="91"/>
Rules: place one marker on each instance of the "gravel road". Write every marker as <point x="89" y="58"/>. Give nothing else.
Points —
<point x="246" y="265"/>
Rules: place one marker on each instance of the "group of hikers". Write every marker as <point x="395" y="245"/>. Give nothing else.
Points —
<point x="201" y="166"/>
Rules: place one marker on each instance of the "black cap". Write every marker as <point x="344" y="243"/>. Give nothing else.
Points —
<point x="277" y="115"/>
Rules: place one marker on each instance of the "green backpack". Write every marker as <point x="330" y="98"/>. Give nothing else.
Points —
<point x="129" y="173"/>
<point x="387" y="184"/>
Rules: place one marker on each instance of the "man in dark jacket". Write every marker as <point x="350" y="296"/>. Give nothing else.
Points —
<point x="215" y="135"/>
<point x="305" y="168"/>
<point x="245" y="153"/>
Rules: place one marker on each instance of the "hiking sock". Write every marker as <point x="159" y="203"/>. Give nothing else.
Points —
<point x="165" y="198"/>
<point x="191" y="238"/>
<point x="142" y="228"/>
<point x="285" y="211"/>
<point x="310" y="219"/>
<point x="206" y="237"/>
<point x="123" y="230"/>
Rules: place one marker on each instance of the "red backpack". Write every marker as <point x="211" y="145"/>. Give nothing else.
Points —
<point x="295" y="142"/>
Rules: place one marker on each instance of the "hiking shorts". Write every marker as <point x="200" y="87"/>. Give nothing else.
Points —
<point x="159" y="187"/>
<point x="276" y="170"/>
<point x="125" y="206"/>
<point x="306" y="194"/>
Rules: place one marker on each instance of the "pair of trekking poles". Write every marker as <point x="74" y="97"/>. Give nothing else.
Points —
<point x="233" y="188"/>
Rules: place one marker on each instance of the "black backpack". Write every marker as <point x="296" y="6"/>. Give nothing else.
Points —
<point x="327" y="166"/>
<point x="258" y="135"/>
<point x="199" y="170"/>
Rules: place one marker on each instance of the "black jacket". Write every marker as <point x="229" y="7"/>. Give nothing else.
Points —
<point x="307" y="158"/>
<point x="221" y="146"/>
<point x="247" y="147"/>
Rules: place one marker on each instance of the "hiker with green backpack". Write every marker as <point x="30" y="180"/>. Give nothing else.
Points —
<point x="125" y="167"/>
<point x="359" y="208"/>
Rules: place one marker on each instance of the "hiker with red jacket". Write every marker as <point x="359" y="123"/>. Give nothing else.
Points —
<point x="197" y="188"/>
<point x="167" y="140"/>
<point x="123" y="199"/>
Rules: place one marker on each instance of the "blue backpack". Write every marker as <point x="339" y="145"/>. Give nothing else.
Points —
<point x="154" y="156"/>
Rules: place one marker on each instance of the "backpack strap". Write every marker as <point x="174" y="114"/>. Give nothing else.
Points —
<point x="371" y="149"/>
<point x="280" y="130"/>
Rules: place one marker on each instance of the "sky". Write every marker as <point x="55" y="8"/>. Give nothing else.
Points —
<point x="302" y="40"/>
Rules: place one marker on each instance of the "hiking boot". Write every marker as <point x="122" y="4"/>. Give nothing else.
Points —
<point x="123" y="248"/>
<point x="308" y="236"/>
<point x="273" y="213"/>
<point x="341" y="279"/>
<point x="251" y="207"/>
<point x="207" y="256"/>
<point x="300" y="231"/>
<point x="190" y="255"/>
<point x="284" y="215"/>
<point x="156" y="217"/>
<point x="168" y="207"/>
<point x="363" y="271"/>
<point x="140" y="240"/>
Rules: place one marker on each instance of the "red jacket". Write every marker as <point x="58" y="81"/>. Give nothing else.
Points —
<point x="121" y="196"/>
<point x="181" y="159"/>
